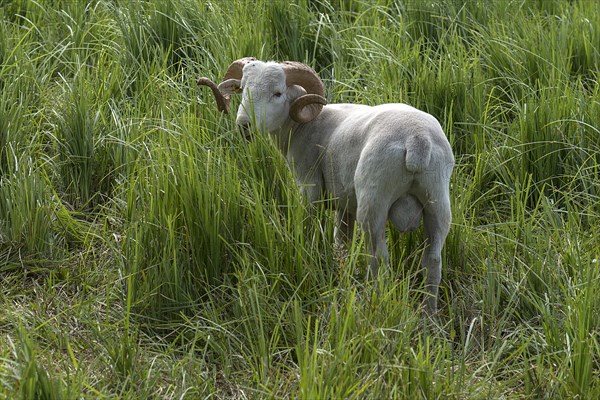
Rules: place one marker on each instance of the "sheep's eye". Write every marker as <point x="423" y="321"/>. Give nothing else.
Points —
<point x="277" y="94"/>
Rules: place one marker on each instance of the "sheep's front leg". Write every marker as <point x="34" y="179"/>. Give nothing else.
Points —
<point x="344" y="229"/>
<point x="311" y="189"/>
<point x="312" y="193"/>
<point x="372" y="221"/>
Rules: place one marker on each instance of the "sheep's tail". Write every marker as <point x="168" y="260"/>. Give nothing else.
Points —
<point x="418" y="152"/>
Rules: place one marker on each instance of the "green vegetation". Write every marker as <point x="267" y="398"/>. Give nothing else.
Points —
<point x="147" y="250"/>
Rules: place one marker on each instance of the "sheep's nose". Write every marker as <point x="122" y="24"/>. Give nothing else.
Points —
<point x="245" y="128"/>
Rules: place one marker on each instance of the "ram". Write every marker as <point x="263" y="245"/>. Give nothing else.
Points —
<point x="376" y="163"/>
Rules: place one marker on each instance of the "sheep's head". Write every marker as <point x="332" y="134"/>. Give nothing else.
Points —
<point x="271" y="92"/>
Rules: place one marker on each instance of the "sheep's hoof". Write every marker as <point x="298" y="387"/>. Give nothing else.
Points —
<point x="429" y="306"/>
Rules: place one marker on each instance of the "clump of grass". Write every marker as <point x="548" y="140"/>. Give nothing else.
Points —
<point x="34" y="381"/>
<point x="26" y="232"/>
<point x="76" y="135"/>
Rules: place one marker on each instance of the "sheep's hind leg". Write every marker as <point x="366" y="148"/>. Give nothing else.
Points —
<point x="437" y="217"/>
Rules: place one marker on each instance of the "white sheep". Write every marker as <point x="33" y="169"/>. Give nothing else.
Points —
<point x="387" y="162"/>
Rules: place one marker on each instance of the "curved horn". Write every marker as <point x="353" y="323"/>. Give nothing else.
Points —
<point x="233" y="72"/>
<point x="221" y="99"/>
<point x="235" y="68"/>
<point x="305" y="108"/>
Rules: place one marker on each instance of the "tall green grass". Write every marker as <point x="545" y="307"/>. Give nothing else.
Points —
<point x="147" y="250"/>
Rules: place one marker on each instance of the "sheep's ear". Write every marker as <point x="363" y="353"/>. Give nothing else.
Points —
<point x="295" y="91"/>
<point x="230" y="86"/>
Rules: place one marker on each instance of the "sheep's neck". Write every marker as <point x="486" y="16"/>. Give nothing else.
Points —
<point x="283" y="137"/>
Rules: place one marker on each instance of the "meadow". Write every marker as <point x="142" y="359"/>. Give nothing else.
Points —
<point x="149" y="251"/>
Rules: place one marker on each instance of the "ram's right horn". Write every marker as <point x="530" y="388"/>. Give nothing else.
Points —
<point x="305" y="108"/>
